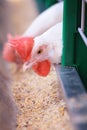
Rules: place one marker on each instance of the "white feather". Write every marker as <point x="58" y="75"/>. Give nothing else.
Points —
<point x="45" y="20"/>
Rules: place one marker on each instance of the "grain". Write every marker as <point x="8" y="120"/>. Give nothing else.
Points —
<point x="39" y="103"/>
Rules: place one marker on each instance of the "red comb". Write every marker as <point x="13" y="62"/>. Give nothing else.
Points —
<point x="8" y="53"/>
<point x="23" y="46"/>
<point x="42" y="68"/>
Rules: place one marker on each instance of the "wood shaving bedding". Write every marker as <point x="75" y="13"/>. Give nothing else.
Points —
<point x="40" y="102"/>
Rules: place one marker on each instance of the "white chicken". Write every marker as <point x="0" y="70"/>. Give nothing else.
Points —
<point x="43" y="50"/>
<point x="45" y="20"/>
<point x="47" y="46"/>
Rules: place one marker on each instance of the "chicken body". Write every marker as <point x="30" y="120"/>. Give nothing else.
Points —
<point x="45" y="20"/>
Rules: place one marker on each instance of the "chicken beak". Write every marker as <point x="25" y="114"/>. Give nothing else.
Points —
<point x="27" y="65"/>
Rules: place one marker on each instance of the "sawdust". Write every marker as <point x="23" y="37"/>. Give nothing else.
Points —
<point x="40" y="101"/>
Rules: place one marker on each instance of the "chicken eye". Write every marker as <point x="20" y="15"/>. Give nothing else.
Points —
<point x="39" y="51"/>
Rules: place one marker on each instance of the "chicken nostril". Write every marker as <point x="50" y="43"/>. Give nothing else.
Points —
<point x="28" y="62"/>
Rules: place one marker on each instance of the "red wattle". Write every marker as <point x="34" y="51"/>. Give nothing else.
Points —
<point x="42" y="68"/>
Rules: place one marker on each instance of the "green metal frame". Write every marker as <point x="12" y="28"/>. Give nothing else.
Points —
<point x="74" y="50"/>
